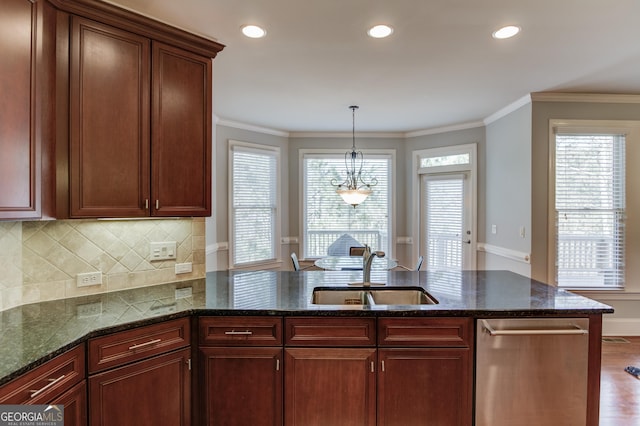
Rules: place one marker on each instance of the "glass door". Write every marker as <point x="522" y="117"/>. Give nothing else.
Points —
<point x="446" y="221"/>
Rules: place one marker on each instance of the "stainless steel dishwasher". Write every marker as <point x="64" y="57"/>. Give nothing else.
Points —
<point x="532" y="372"/>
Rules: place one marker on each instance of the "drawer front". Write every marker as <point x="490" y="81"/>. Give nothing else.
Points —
<point x="45" y="383"/>
<point x="240" y="331"/>
<point x="338" y="331"/>
<point x="132" y="345"/>
<point x="431" y="332"/>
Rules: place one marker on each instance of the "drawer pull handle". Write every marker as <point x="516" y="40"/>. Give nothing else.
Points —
<point x="238" y="333"/>
<point x="142" y="345"/>
<point x="51" y="383"/>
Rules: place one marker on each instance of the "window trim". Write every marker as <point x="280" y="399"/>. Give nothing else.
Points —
<point x="263" y="149"/>
<point x="339" y="153"/>
<point x="629" y="128"/>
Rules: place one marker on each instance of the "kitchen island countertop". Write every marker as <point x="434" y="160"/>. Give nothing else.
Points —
<point x="32" y="334"/>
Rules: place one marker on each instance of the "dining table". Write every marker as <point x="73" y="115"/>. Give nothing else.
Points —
<point x="353" y="263"/>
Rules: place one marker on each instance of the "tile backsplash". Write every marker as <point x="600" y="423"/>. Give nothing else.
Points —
<point x="39" y="260"/>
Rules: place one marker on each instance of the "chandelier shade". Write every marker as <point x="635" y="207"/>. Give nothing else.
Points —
<point x="354" y="190"/>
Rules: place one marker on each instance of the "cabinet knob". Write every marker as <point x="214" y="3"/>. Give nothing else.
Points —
<point x="157" y="204"/>
<point x="146" y="204"/>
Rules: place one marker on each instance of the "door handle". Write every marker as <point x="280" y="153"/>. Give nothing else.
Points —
<point x="466" y="241"/>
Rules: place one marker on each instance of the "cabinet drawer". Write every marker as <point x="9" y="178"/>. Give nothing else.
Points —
<point x="433" y="332"/>
<point x="240" y="331"/>
<point x="45" y="383"/>
<point x="338" y="331"/>
<point x="127" y="346"/>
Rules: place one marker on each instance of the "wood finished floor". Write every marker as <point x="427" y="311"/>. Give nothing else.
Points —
<point x="620" y="391"/>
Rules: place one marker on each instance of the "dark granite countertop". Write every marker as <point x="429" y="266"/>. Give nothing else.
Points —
<point x="32" y="334"/>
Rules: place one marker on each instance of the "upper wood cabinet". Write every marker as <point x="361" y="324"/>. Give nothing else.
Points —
<point x="181" y="133"/>
<point x="140" y="126"/>
<point x="26" y="70"/>
<point x="133" y="114"/>
<point x="109" y="170"/>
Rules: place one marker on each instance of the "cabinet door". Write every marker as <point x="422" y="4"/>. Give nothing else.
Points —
<point x="20" y="143"/>
<point x="146" y="393"/>
<point x="181" y="133"/>
<point x="330" y="386"/>
<point x="75" y="405"/>
<point x="109" y="121"/>
<point x="242" y="386"/>
<point x="424" y="386"/>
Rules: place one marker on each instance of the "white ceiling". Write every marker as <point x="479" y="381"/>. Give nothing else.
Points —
<point x="440" y="67"/>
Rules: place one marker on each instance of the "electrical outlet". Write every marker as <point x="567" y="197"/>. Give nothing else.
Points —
<point x="183" y="268"/>
<point x="162" y="251"/>
<point x="88" y="279"/>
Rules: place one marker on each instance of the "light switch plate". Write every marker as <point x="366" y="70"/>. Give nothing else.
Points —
<point x="162" y="250"/>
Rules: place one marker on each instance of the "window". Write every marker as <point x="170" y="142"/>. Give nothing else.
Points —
<point x="253" y="177"/>
<point x="326" y="217"/>
<point x="589" y="209"/>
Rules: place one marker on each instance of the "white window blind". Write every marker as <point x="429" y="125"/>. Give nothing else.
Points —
<point x="444" y="219"/>
<point x="590" y="210"/>
<point x="328" y="217"/>
<point x="254" y="186"/>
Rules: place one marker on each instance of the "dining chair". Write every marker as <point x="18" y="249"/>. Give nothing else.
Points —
<point x="415" y="268"/>
<point x="356" y="251"/>
<point x="296" y="263"/>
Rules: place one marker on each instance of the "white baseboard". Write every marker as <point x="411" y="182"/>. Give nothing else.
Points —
<point x="620" y="326"/>
<point x="518" y="256"/>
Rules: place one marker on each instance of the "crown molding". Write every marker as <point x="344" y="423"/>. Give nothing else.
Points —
<point x="507" y="110"/>
<point x="445" y="129"/>
<point x="531" y="97"/>
<point x="250" y="127"/>
<point x="612" y="98"/>
<point x="346" y="135"/>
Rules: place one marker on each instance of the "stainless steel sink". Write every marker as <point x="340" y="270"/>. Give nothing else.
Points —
<point x="407" y="296"/>
<point x="339" y="296"/>
<point x="371" y="296"/>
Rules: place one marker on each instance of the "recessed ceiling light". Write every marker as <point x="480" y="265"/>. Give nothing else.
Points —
<point x="380" y="31"/>
<point x="506" y="32"/>
<point x="253" y="31"/>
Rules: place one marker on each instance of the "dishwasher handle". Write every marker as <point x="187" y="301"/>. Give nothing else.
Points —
<point x="542" y="331"/>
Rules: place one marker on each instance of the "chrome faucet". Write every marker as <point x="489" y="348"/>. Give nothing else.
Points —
<point x="366" y="268"/>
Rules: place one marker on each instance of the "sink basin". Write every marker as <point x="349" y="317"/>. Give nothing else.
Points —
<point x="371" y="296"/>
<point x="407" y="296"/>
<point x="333" y="296"/>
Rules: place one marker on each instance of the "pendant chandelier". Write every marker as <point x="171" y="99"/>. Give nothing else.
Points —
<point x="354" y="190"/>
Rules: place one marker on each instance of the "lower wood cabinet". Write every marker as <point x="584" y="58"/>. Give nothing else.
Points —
<point x="424" y="387"/>
<point x="150" y="392"/>
<point x="75" y="405"/>
<point x="336" y="371"/>
<point x="58" y="381"/>
<point x="240" y="370"/>
<point x="330" y="386"/>
<point x="242" y="386"/>
<point x="425" y="371"/>
<point x="141" y="376"/>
